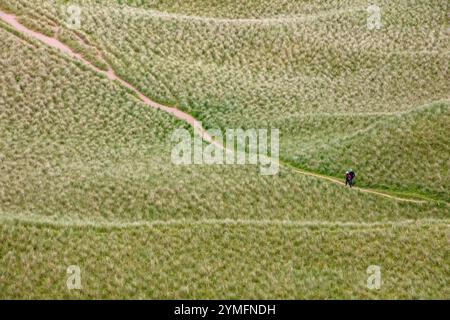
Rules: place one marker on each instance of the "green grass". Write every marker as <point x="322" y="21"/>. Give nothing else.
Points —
<point x="406" y="153"/>
<point x="186" y="261"/>
<point x="86" y="176"/>
<point x="233" y="73"/>
<point x="321" y="63"/>
<point x="82" y="147"/>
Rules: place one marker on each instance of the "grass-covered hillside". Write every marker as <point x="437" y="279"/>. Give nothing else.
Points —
<point x="229" y="261"/>
<point x="258" y="64"/>
<point x="76" y="145"/>
<point x="408" y="152"/>
<point x="86" y="176"/>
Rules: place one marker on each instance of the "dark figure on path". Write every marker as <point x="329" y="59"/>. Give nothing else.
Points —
<point x="349" y="176"/>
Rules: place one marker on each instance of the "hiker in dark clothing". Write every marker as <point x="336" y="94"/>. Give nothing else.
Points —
<point x="349" y="176"/>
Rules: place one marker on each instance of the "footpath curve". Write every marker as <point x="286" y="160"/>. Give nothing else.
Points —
<point x="12" y="21"/>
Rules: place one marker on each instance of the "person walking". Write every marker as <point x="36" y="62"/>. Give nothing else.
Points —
<point x="349" y="176"/>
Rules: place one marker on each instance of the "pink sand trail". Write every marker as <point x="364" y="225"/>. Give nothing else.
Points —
<point x="110" y="74"/>
<point x="196" y="125"/>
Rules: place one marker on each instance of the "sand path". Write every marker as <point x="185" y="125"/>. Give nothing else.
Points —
<point x="196" y="125"/>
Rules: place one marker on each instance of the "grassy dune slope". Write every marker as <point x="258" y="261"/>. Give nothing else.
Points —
<point x="407" y="152"/>
<point x="75" y="144"/>
<point x="81" y="160"/>
<point x="320" y="62"/>
<point x="234" y="73"/>
<point x="224" y="261"/>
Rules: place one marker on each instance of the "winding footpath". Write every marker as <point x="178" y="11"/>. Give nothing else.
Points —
<point x="12" y="21"/>
<point x="110" y="74"/>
